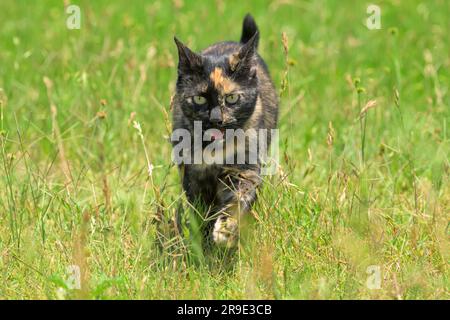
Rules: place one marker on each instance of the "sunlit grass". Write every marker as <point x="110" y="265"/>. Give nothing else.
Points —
<point x="86" y="177"/>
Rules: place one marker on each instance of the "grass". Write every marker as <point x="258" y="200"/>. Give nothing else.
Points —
<point x="86" y="177"/>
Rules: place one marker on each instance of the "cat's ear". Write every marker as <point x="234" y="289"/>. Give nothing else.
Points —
<point x="242" y="62"/>
<point x="249" y="48"/>
<point x="188" y="60"/>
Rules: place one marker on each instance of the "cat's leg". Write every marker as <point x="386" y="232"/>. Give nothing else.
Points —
<point x="198" y="185"/>
<point x="234" y="197"/>
<point x="200" y="189"/>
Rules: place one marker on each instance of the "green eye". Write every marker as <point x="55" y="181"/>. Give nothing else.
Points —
<point x="200" y="100"/>
<point x="232" y="98"/>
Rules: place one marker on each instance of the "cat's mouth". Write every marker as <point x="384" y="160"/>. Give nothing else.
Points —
<point x="214" y="134"/>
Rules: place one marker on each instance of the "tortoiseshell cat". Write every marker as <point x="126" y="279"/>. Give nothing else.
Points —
<point x="225" y="86"/>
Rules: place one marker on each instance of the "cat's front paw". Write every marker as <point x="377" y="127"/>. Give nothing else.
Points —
<point x="225" y="232"/>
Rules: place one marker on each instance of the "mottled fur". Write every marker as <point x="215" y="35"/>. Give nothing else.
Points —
<point x="223" y="68"/>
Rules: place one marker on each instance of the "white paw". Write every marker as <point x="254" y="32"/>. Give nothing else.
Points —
<point x="225" y="232"/>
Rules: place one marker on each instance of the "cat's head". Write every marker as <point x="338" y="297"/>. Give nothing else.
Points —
<point x="219" y="89"/>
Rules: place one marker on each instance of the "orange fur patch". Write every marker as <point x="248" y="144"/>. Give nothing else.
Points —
<point x="220" y="82"/>
<point x="233" y="60"/>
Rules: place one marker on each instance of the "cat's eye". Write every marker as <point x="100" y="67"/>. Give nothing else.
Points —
<point x="232" y="98"/>
<point x="199" y="100"/>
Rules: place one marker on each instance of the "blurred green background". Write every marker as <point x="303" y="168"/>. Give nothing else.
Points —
<point x="353" y="190"/>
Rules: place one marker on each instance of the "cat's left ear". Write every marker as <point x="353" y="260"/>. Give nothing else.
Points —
<point x="242" y="62"/>
<point x="188" y="60"/>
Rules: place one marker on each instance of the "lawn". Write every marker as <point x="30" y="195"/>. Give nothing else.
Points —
<point x="359" y="207"/>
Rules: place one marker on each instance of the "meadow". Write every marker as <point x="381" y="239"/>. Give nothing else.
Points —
<point x="359" y="206"/>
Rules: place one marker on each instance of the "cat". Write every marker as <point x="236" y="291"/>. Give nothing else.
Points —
<point x="225" y="86"/>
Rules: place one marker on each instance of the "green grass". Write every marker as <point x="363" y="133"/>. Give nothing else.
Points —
<point x="352" y="190"/>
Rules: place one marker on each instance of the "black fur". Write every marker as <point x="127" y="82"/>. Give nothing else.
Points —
<point x="249" y="28"/>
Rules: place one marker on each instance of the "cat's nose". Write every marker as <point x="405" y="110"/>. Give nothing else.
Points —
<point x="215" y="116"/>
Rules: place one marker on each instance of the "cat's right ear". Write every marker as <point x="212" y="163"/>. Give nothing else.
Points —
<point x="188" y="61"/>
<point x="242" y="62"/>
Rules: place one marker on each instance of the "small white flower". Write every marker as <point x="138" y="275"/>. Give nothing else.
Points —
<point x="150" y="169"/>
